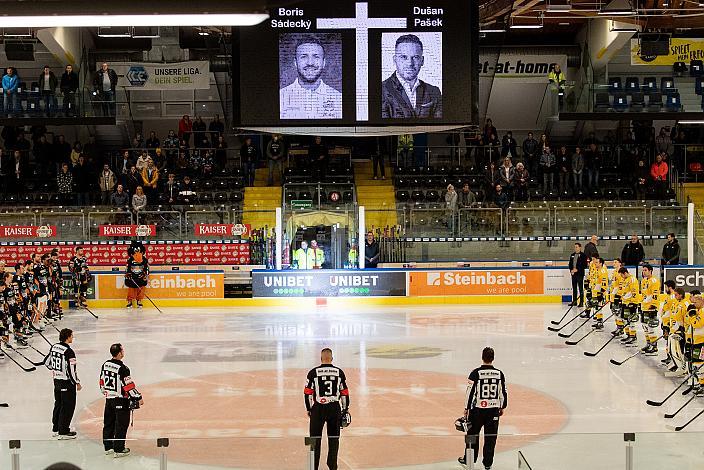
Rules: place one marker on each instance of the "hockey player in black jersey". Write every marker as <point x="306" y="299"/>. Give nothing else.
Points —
<point x="486" y="401"/>
<point x="327" y="401"/>
<point x="14" y="306"/>
<point x="121" y="395"/>
<point x="78" y="265"/>
<point x="61" y="361"/>
<point x="57" y="282"/>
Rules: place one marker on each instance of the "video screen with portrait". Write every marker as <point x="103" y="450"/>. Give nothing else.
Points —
<point x="351" y="63"/>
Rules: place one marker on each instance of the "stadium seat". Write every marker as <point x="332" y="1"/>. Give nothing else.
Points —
<point x="667" y="85"/>
<point x="627" y="194"/>
<point x="632" y="85"/>
<point x="237" y="172"/>
<point x="236" y="197"/>
<point x="650" y="85"/>
<point x="53" y="199"/>
<point x="220" y="198"/>
<point x="699" y="85"/>
<point x="205" y="197"/>
<point x="615" y="85"/>
<point x="594" y="194"/>
<point x="610" y="194"/>
<point x="305" y="195"/>
<point x="432" y="196"/>
<point x="679" y="69"/>
<point x="348" y="197"/>
<point x="655" y="102"/>
<point x="290" y="196"/>
<point x="602" y="102"/>
<point x="620" y="101"/>
<point x="674" y="103"/>
<point x="42" y="199"/>
<point x="637" y="101"/>
<point x="417" y="196"/>
<point x="696" y="68"/>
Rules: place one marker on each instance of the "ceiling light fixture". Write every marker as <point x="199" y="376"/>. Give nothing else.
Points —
<point x="623" y="27"/>
<point x="88" y="21"/>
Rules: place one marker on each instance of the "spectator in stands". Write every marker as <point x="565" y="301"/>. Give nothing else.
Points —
<point x="142" y="161"/>
<point x="590" y="249"/>
<point x="183" y="156"/>
<point x="220" y="152"/>
<point x="547" y="166"/>
<point x="577" y="165"/>
<point x="642" y="176"/>
<point x="275" y="152"/>
<point x="9" y="136"/>
<point x="658" y="171"/>
<point x="20" y="170"/>
<point x="591" y="139"/>
<point x="544" y="143"/>
<point x="124" y="166"/>
<point x="508" y="146"/>
<point x="564" y="169"/>
<point x="120" y="199"/>
<point x="83" y="179"/>
<point x="69" y="86"/>
<point x="139" y="200"/>
<point x="450" y="201"/>
<point x="185" y="128"/>
<point x="371" y="251"/>
<point x="47" y="89"/>
<point x="42" y="154"/>
<point x="207" y="162"/>
<point x="633" y="253"/>
<point x="216" y="129"/>
<point x="5" y="171"/>
<point x="200" y="138"/>
<point x="500" y="197"/>
<point x="104" y="84"/>
<point x="404" y="150"/>
<point x="133" y="179"/>
<point x="64" y="182"/>
<point x="75" y="153"/>
<point x="62" y="150"/>
<point x="592" y="163"/>
<point x="489" y="130"/>
<point x="467" y="197"/>
<point x="494" y="147"/>
<point x="10" y="85"/>
<point x="150" y="180"/>
<point x="22" y="144"/>
<point x="187" y="191"/>
<point x="319" y="156"/>
<point x="506" y="175"/>
<point x="171" y="147"/>
<point x="249" y="156"/>
<point x="670" y="251"/>
<point x="152" y="142"/>
<point x="531" y="153"/>
<point x="520" y="183"/>
<point x="491" y="178"/>
<point x="557" y="79"/>
<point x="171" y="189"/>
<point x="107" y="184"/>
<point x="663" y="143"/>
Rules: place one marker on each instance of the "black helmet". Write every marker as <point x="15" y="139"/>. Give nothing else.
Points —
<point x="346" y="419"/>
<point x="461" y="424"/>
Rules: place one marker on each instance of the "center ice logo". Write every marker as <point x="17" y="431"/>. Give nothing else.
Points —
<point x="433" y="279"/>
<point x="137" y="76"/>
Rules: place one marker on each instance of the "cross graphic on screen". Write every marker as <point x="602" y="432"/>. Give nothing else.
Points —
<point x="361" y="24"/>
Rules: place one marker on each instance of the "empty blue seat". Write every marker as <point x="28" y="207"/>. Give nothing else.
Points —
<point x="655" y="102"/>
<point x="632" y="85"/>
<point x="650" y="85"/>
<point x="667" y="85"/>
<point x="602" y="102"/>
<point x="673" y="102"/>
<point x="699" y="85"/>
<point x="615" y="85"/>
<point x="620" y="101"/>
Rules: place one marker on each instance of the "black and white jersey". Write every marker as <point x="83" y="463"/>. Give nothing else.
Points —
<point x="41" y="278"/>
<point x="326" y="384"/>
<point x="29" y="280"/>
<point x="56" y="271"/>
<point x="61" y="361"/>
<point x="21" y="283"/>
<point x="115" y="381"/>
<point x="10" y="298"/>
<point x="78" y="265"/>
<point x="488" y="389"/>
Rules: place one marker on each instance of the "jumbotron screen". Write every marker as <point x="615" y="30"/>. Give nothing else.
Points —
<point x="346" y="63"/>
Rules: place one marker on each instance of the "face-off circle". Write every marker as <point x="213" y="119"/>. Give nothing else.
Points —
<point x="401" y="417"/>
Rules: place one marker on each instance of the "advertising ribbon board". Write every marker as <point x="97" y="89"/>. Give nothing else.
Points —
<point x="27" y="231"/>
<point x="479" y="282"/>
<point x="127" y="230"/>
<point x="329" y="283"/>
<point x="193" y="75"/>
<point x="681" y="50"/>
<point x="166" y="285"/>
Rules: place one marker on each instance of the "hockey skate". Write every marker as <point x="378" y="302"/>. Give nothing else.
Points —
<point x="676" y="372"/>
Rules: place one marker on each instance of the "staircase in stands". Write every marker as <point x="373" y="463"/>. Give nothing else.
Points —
<point x="694" y="192"/>
<point x="377" y="196"/>
<point x="261" y="201"/>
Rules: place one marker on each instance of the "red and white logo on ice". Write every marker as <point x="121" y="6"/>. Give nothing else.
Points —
<point x="27" y="231"/>
<point x="222" y="229"/>
<point x="126" y="230"/>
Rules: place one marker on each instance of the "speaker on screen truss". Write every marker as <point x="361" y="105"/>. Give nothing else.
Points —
<point x="654" y="44"/>
<point x="20" y="51"/>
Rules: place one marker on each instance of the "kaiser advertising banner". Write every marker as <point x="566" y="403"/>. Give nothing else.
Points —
<point x="681" y="50"/>
<point x="222" y="230"/>
<point x="165" y="285"/>
<point x="127" y="230"/>
<point x="27" y="231"/>
<point x="329" y="283"/>
<point x="193" y="75"/>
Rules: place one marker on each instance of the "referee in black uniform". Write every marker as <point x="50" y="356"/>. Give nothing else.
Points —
<point x="61" y="361"/>
<point x="327" y="399"/>
<point x="486" y="402"/>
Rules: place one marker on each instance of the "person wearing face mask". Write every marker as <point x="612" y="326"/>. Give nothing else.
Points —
<point x="136" y="277"/>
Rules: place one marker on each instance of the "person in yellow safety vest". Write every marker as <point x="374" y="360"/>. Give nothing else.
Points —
<point x="629" y="300"/>
<point x="300" y="256"/>
<point x="694" y="335"/>
<point x="668" y="302"/>
<point x="556" y="77"/>
<point x="599" y="286"/>
<point x="316" y="257"/>
<point x="353" y="256"/>
<point x="649" y="292"/>
<point x="675" y="337"/>
<point x="405" y="150"/>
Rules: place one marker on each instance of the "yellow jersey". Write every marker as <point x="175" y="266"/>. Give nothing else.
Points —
<point x="694" y="327"/>
<point x="629" y="290"/>
<point x="649" y="291"/>
<point x="615" y="285"/>
<point x="675" y="320"/>
<point x="599" y="283"/>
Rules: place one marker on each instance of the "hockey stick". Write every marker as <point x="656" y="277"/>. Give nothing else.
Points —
<point x="672" y="415"/>
<point x="592" y="354"/>
<point x="618" y="363"/>
<point x="41" y="334"/>
<point x="148" y="298"/>
<point x="679" y="428"/>
<point x="91" y="312"/>
<point x="4" y="405"/>
<point x="553" y="329"/>
<point x="572" y="343"/>
<point x="25" y="357"/>
<point x="660" y="403"/>
<point x="563" y="316"/>
<point x="26" y="369"/>
<point x="44" y="355"/>
<point x="563" y="335"/>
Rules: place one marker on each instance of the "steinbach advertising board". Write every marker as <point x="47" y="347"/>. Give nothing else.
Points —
<point x="165" y="285"/>
<point x="329" y="283"/>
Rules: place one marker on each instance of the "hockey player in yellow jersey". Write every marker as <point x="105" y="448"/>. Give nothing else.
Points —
<point x="599" y="285"/>
<point x="628" y="291"/>
<point x="614" y="288"/>
<point x="650" y="301"/>
<point x="588" y="284"/>
<point x="694" y="335"/>
<point x="668" y="301"/>
<point x="675" y="336"/>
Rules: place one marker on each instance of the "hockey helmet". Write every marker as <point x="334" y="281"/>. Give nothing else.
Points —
<point x="461" y="424"/>
<point x="346" y="419"/>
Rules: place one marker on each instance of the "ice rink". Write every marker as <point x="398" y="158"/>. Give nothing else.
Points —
<point x="226" y="385"/>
